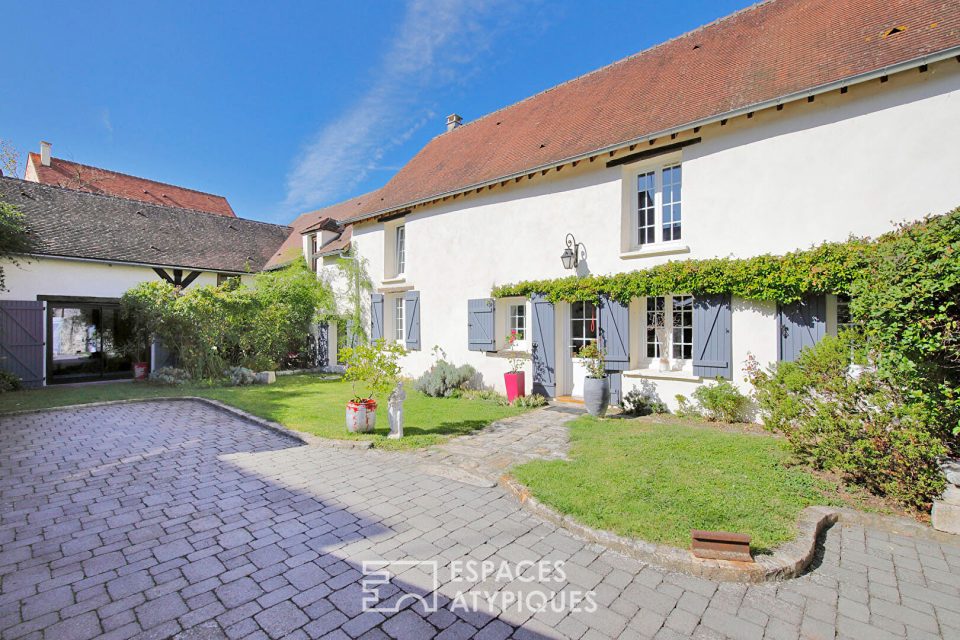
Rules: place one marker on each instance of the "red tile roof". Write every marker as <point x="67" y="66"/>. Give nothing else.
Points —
<point x="763" y="53"/>
<point x="81" y="177"/>
<point x="292" y="247"/>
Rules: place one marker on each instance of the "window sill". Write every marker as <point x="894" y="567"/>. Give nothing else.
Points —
<point x="507" y="353"/>
<point x="655" y="250"/>
<point x="394" y="280"/>
<point x="662" y="375"/>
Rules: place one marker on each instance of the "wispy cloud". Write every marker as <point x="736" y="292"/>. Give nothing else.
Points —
<point x="436" y="45"/>
<point x="105" y="120"/>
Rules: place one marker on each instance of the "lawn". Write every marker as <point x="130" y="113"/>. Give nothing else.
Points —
<point x="657" y="478"/>
<point x="302" y="402"/>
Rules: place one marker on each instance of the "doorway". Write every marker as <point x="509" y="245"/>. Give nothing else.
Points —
<point x="84" y="341"/>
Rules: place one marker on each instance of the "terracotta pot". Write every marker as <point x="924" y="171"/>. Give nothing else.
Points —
<point x="516" y="385"/>
<point x="141" y="370"/>
<point x="361" y="416"/>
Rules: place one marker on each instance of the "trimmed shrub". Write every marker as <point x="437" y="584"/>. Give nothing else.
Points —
<point x="528" y="402"/>
<point x="444" y="380"/>
<point x="862" y="426"/>
<point x="169" y="375"/>
<point x="722" y="401"/>
<point x="9" y="382"/>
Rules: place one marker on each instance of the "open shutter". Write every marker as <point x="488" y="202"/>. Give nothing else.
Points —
<point x="376" y="316"/>
<point x="21" y="340"/>
<point x="712" y="340"/>
<point x="411" y="301"/>
<point x="801" y="324"/>
<point x="615" y="333"/>
<point x="480" y="316"/>
<point x="544" y="346"/>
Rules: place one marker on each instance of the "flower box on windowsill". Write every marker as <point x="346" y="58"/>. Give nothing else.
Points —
<point x="684" y="376"/>
<point x="657" y="249"/>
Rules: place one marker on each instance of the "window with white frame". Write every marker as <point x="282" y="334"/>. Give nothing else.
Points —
<point x="583" y="325"/>
<point x="401" y="250"/>
<point x="398" y="318"/>
<point x="669" y="327"/>
<point x="656" y="323"/>
<point x="658" y="216"/>
<point x="517" y="321"/>
<point x="682" y="327"/>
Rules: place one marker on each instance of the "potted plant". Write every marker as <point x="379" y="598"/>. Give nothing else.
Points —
<point x="136" y="345"/>
<point x="515" y="379"/>
<point x="596" y="386"/>
<point x="375" y="366"/>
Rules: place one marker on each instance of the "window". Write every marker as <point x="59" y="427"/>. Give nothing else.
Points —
<point x="656" y="323"/>
<point x="671" y="203"/>
<point x="398" y="319"/>
<point x="682" y="327"/>
<point x="669" y="325"/>
<point x="401" y="249"/>
<point x="658" y="205"/>
<point x="316" y="242"/>
<point x="583" y="325"/>
<point x="844" y="318"/>
<point x="518" y="320"/>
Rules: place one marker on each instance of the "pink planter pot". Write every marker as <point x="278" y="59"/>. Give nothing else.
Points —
<point x="516" y="385"/>
<point x="140" y="370"/>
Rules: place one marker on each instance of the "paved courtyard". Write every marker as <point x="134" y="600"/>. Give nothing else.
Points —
<point x="157" y="519"/>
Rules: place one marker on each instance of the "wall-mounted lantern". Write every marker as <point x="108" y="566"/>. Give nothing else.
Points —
<point x="572" y="254"/>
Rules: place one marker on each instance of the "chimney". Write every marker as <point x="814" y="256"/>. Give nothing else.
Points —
<point x="453" y="121"/>
<point x="45" y="153"/>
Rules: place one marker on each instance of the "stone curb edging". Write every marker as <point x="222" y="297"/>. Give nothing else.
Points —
<point x="788" y="560"/>
<point x="299" y="437"/>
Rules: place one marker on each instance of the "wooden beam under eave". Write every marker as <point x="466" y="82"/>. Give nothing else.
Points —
<point x="186" y="282"/>
<point x="163" y="274"/>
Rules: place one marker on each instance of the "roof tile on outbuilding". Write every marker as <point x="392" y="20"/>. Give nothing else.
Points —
<point x="81" y="177"/>
<point x="75" y="224"/>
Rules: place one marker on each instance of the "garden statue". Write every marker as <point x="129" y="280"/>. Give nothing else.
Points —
<point x="395" y="411"/>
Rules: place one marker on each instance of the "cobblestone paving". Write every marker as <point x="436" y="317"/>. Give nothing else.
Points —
<point x="157" y="519"/>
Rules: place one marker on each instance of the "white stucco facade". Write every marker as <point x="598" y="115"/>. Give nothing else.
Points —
<point x="847" y="163"/>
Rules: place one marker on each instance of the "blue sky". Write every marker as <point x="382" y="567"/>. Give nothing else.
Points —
<point x="287" y="106"/>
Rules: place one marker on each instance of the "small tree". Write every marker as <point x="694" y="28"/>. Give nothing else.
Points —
<point x="16" y="242"/>
<point x="375" y="365"/>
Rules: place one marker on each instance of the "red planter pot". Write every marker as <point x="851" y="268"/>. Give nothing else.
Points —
<point x="141" y="370"/>
<point x="361" y="416"/>
<point x="516" y="385"/>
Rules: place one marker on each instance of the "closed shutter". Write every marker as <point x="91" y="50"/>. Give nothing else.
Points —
<point x="544" y="346"/>
<point x="801" y="324"/>
<point x="411" y="301"/>
<point x="615" y="379"/>
<point x="712" y="341"/>
<point x="615" y="333"/>
<point x="480" y="316"/>
<point x="21" y="340"/>
<point x="376" y="316"/>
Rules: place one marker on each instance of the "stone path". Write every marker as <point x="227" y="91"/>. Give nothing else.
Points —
<point x="157" y="519"/>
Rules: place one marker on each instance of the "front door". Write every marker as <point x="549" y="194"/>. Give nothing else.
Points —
<point x="85" y="341"/>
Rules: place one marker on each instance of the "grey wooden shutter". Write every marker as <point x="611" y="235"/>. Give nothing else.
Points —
<point x="544" y="346"/>
<point x="21" y="340"/>
<point x="615" y="333"/>
<point x="376" y="316"/>
<point x="480" y="316"/>
<point x="411" y="301"/>
<point x="712" y="340"/>
<point x="801" y="324"/>
<point x="615" y="379"/>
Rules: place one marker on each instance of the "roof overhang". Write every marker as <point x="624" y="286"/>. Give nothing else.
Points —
<point x="145" y="265"/>
<point x="740" y="111"/>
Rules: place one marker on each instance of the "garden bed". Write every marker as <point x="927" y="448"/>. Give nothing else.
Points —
<point x="308" y="403"/>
